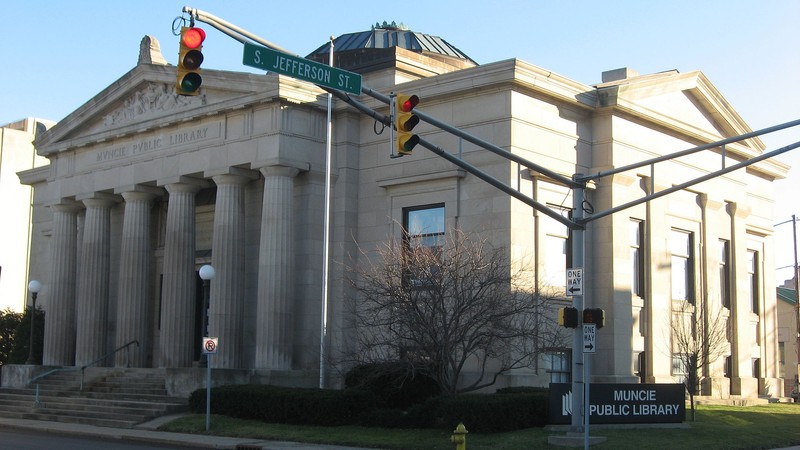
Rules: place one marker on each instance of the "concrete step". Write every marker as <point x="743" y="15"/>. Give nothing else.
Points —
<point x="121" y="399"/>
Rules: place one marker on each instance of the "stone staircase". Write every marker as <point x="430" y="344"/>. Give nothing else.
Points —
<point x="119" y="398"/>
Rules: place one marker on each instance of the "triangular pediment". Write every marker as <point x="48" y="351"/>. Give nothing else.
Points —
<point x="145" y="98"/>
<point x="687" y="102"/>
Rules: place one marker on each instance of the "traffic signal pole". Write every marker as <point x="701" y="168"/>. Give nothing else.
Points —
<point x="578" y="381"/>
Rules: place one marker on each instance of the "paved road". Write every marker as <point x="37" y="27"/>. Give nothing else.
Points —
<point x="19" y="439"/>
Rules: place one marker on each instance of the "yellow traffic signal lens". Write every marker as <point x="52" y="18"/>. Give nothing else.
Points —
<point x="407" y="122"/>
<point x="193" y="37"/>
<point x="192" y="59"/>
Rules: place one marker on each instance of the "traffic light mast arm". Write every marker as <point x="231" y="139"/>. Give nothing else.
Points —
<point x="706" y="177"/>
<point x="230" y="29"/>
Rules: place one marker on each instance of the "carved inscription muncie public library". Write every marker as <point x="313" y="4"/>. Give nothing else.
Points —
<point x="163" y="143"/>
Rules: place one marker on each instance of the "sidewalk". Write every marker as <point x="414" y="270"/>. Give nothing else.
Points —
<point x="147" y="433"/>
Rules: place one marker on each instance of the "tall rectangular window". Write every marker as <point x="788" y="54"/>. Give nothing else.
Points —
<point x="423" y="231"/>
<point x="559" y="362"/>
<point x="682" y="265"/>
<point x="753" y="281"/>
<point x="724" y="273"/>
<point x="556" y="252"/>
<point x="636" y="229"/>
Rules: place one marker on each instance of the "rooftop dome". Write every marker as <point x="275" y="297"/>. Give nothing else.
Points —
<point x="391" y="36"/>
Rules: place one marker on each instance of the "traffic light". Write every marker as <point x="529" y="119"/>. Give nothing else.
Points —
<point x="405" y="121"/>
<point x="594" y="315"/>
<point x="190" y="56"/>
<point x="568" y="317"/>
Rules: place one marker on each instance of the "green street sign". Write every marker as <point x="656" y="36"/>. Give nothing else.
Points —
<point x="301" y="68"/>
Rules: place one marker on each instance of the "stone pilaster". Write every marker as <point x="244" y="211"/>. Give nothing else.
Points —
<point x="178" y="290"/>
<point x="59" y="327"/>
<point x="227" y="287"/>
<point x="134" y="280"/>
<point x="275" y="313"/>
<point x="93" y="281"/>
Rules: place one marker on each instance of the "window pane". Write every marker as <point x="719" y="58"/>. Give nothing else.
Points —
<point x="724" y="275"/>
<point x="425" y="221"/>
<point x="424" y="233"/>
<point x="637" y="259"/>
<point x="753" y="280"/>
<point x="682" y="266"/>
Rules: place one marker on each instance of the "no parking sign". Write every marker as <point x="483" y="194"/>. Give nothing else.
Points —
<point x="210" y="345"/>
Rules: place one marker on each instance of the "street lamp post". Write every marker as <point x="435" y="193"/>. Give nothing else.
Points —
<point x="34" y="287"/>
<point x="206" y="274"/>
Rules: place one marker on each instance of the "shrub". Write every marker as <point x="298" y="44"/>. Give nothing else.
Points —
<point x="394" y="383"/>
<point x="274" y="404"/>
<point x="481" y="413"/>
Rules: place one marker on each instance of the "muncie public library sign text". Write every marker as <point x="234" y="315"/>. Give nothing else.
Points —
<point x="622" y="403"/>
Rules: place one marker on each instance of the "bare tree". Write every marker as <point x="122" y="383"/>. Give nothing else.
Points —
<point x="457" y="312"/>
<point x="699" y="338"/>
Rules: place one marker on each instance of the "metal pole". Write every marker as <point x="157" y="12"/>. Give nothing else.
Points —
<point x="323" y="326"/>
<point x="204" y="357"/>
<point x="796" y="301"/>
<point x="208" y="393"/>
<point x="31" y="359"/>
<point x="578" y="246"/>
<point x="587" y="369"/>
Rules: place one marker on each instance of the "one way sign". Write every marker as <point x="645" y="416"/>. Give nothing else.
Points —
<point x="589" y="335"/>
<point x="575" y="281"/>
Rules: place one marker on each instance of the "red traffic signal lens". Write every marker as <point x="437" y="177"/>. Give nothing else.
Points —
<point x="192" y="59"/>
<point x="193" y="37"/>
<point x="409" y="103"/>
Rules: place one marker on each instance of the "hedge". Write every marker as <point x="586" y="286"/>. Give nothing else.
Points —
<point x="482" y="413"/>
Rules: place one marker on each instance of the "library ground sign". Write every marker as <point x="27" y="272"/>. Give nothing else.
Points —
<point x="622" y="403"/>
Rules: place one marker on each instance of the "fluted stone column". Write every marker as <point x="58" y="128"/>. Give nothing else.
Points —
<point x="93" y="282"/>
<point x="275" y="313"/>
<point x="227" y="287"/>
<point x="134" y="280"/>
<point x="178" y="286"/>
<point x="59" y="326"/>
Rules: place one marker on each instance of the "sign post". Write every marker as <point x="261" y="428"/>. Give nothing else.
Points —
<point x="210" y="346"/>
<point x="301" y="68"/>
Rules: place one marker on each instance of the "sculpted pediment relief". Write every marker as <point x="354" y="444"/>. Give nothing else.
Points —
<point x="155" y="99"/>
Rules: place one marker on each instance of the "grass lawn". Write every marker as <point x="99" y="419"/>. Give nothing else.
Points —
<point x="716" y="427"/>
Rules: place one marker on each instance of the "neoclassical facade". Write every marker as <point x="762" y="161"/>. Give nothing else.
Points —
<point x="143" y="187"/>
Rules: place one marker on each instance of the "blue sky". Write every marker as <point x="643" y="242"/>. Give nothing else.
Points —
<point x="57" y="55"/>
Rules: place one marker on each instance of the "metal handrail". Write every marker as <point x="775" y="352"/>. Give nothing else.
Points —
<point x="38" y="403"/>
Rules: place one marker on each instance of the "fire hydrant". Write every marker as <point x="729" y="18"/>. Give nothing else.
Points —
<point x="459" y="437"/>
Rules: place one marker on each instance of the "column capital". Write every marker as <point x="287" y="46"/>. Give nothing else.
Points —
<point x="99" y="199"/>
<point x="229" y="178"/>
<point x="707" y="203"/>
<point x="246" y="173"/>
<point x="184" y="180"/>
<point x="175" y="188"/>
<point x="133" y="196"/>
<point x="279" y="171"/>
<point x="66" y="206"/>
<point x="737" y="210"/>
<point x="153" y="190"/>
